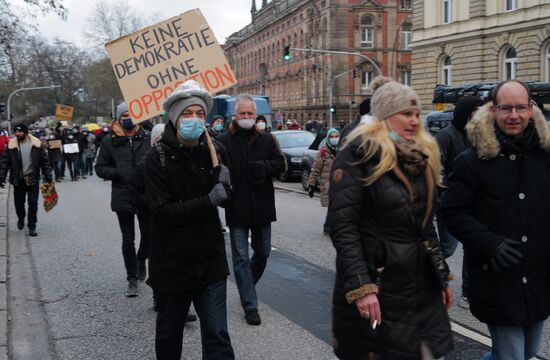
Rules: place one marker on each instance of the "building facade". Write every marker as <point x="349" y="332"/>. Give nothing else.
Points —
<point x="300" y="88"/>
<point x="469" y="41"/>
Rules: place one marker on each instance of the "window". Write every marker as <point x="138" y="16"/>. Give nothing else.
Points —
<point x="366" y="32"/>
<point x="446" y="75"/>
<point x="366" y="78"/>
<point x="510" y="64"/>
<point x="447" y="11"/>
<point x="406" y="4"/>
<point x="511" y="5"/>
<point x="406" y="77"/>
<point x="406" y="34"/>
<point x="548" y="64"/>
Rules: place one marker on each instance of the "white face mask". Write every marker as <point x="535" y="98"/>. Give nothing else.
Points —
<point x="246" y="124"/>
<point x="261" y="125"/>
<point x="334" y="141"/>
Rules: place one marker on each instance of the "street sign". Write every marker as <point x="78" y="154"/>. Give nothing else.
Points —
<point x="439" y="106"/>
<point x="151" y="63"/>
<point x="64" y="112"/>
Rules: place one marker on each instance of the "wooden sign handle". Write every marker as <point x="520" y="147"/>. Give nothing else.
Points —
<point x="212" y="150"/>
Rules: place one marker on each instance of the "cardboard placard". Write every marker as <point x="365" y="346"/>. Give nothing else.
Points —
<point x="70" y="148"/>
<point x="54" y="144"/>
<point x="64" y="112"/>
<point x="149" y="64"/>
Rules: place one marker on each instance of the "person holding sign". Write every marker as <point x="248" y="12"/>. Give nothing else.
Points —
<point x="120" y="152"/>
<point x="255" y="158"/>
<point x="184" y="185"/>
<point x="25" y="158"/>
<point x="70" y="152"/>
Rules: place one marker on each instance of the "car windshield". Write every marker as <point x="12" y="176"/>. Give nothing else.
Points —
<point x="295" y="139"/>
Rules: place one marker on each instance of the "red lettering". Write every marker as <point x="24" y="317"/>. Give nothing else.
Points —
<point x="203" y="82"/>
<point x="167" y="91"/>
<point x="135" y="115"/>
<point x="157" y="95"/>
<point x="212" y="79"/>
<point x="227" y="74"/>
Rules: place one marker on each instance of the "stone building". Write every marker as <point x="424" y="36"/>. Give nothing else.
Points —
<point x="299" y="88"/>
<point x="470" y="41"/>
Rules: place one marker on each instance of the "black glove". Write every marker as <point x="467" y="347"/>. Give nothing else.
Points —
<point x="505" y="255"/>
<point x="218" y="194"/>
<point x="310" y="191"/>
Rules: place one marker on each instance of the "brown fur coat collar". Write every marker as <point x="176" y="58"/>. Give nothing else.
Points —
<point x="14" y="144"/>
<point x="481" y="132"/>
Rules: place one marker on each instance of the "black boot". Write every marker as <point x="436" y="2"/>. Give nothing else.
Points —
<point x="32" y="231"/>
<point x="142" y="271"/>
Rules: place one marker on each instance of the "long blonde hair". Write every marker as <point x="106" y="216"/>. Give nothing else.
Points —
<point x="375" y="140"/>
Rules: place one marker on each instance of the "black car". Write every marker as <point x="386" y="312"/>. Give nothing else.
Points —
<point x="293" y="144"/>
<point x="309" y="158"/>
<point x="438" y="120"/>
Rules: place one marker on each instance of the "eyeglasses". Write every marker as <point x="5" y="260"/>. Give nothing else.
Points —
<point x="507" y="109"/>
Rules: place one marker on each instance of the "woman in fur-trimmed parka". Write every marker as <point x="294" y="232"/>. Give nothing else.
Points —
<point x="391" y="283"/>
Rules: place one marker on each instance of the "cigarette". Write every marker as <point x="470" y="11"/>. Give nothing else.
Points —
<point x="374" y="324"/>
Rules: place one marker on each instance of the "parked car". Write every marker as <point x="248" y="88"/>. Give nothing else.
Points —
<point x="293" y="145"/>
<point x="438" y="120"/>
<point x="307" y="161"/>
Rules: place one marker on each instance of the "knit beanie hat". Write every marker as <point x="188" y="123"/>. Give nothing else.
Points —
<point x="187" y="94"/>
<point x="21" y="127"/>
<point x="158" y="129"/>
<point x="121" y="108"/>
<point x="390" y="97"/>
<point x="464" y="108"/>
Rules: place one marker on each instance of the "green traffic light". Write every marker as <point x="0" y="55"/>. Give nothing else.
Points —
<point x="286" y="55"/>
<point x="332" y="109"/>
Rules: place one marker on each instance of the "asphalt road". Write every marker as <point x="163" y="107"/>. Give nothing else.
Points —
<point x="80" y="281"/>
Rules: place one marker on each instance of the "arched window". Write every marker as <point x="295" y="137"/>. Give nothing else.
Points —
<point x="547" y="64"/>
<point x="446" y="73"/>
<point x="367" y="32"/>
<point x="510" y="64"/>
<point x="366" y="78"/>
<point x="406" y="35"/>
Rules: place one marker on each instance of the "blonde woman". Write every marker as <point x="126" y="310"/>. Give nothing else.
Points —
<point x="391" y="293"/>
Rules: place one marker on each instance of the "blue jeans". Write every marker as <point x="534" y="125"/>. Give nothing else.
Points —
<point x="58" y="169"/>
<point x="210" y="304"/>
<point x="249" y="271"/>
<point x="514" y="342"/>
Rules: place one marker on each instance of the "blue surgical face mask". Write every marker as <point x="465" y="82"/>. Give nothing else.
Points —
<point x="334" y="141"/>
<point x="395" y="137"/>
<point x="218" y="127"/>
<point x="128" y="124"/>
<point x="191" y="129"/>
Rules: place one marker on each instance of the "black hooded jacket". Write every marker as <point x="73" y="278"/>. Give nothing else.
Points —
<point x="187" y="249"/>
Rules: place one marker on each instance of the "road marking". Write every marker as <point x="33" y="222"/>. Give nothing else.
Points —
<point x="470" y="334"/>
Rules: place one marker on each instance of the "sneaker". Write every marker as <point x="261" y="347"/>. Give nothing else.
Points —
<point x="132" y="290"/>
<point x="464" y="302"/>
<point x="32" y="232"/>
<point x="142" y="271"/>
<point x="191" y="318"/>
<point x="20" y="223"/>
<point x="252" y="317"/>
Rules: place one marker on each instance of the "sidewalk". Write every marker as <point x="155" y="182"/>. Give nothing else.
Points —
<point x="3" y="273"/>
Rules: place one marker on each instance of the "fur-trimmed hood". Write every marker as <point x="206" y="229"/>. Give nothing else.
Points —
<point x="481" y="132"/>
<point x="14" y="144"/>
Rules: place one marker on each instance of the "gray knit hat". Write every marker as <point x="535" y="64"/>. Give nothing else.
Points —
<point x="187" y="94"/>
<point x="121" y="108"/>
<point x="158" y="129"/>
<point x="390" y="97"/>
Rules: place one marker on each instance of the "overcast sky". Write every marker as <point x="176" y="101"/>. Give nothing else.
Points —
<point x="223" y="16"/>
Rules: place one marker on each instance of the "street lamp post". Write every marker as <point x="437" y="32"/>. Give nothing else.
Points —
<point x="24" y="89"/>
<point x="341" y="53"/>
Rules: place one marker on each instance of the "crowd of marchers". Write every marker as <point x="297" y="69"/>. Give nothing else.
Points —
<point x="384" y="180"/>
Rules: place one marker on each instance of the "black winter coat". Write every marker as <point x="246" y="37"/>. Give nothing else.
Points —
<point x="117" y="161"/>
<point x="187" y="245"/>
<point x="451" y="143"/>
<point x="54" y="154"/>
<point x="254" y="158"/>
<point x="11" y="161"/>
<point x="496" y="192"/>
<point x="378" y="234"/>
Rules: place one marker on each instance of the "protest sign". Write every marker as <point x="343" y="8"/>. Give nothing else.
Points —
<point x="70" y="148"/>
<point x="151" y="63"/>
<point x="63" y="112"/>
<point x="54" y="144"/>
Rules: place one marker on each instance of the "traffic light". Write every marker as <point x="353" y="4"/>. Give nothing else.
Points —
<point x="333" y="109"/>
<point x="286" y="54"/>
<point x="354" y="73"/>
<point x="2" y="105"/>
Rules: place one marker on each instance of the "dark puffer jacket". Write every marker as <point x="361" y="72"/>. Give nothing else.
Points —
<point x="187" y="246"/>
<point x="117" y="161"/>
<point x="255" y="158"/>
<point x="378" y="234"/>
<point x="11" y="161"/>
<point x="496" y="192"/>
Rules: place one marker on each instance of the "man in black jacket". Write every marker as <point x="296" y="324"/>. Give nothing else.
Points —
<point x="255" y="158"/>
<point x="120" y="152"/>
<point x="25" y="158"/>
<point x="188" y="262"/>
<point x="497" y="204"/>
<point x="452" y="141"/>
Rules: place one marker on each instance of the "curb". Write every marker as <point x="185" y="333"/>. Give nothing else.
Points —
<point x="4" y="196"/>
